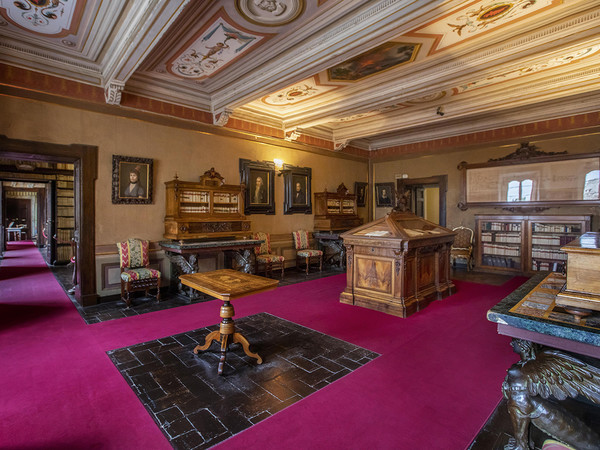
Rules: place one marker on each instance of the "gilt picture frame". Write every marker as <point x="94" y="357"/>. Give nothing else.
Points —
<point x="132" y="180"/>
<point x="259" y="194"/>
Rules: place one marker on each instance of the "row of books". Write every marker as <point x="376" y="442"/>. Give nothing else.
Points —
<point x="500" y="226"/>
<point x="499" y="261"/>
<point x="194" y="209"/>
<point x="194" y="196"/>
<point x="504" y="250"/>
<point x="63" y="236"/>
<point x="501" y="237"/>
<point x="222" y="197"/>
<point x="556" y="228"/>
<point x="547" y="265"/>
<point x="548" y="253"/>
<point x="65" y="201"/>
<point x="65" y="222"/>
<point x="333" y="202"/>
<point x="63" y="252"/>
<point x="551" y="239"/>
<point x="65" y="211"/>
<point x="225" y="209"/>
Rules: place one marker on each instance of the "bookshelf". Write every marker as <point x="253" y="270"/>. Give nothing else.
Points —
<point x="65" y="218"/>
<point x="525" y="243"/>
<point x="206" y="209"/>
<point x="335" y="211"/>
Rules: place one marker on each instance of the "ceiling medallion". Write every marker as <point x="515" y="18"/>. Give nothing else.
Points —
<point x="270" y="13"/>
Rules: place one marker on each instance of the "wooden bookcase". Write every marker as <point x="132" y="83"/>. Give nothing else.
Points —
<point x="65" y="218"/>
<point x="335" y="211"/>
<point x="525" y="243"/>
<point x="206" y="209"/>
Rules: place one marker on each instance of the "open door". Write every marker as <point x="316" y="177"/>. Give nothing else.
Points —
<point x="425" y="194"/>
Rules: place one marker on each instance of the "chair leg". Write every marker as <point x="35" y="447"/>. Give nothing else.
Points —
<point x="282" y="268"/>
<point x="307" y="264"/>
<point x="321" y="263"/>
<point x="158" y="291"/>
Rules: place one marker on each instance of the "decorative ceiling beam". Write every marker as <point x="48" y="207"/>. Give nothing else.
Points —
<point x="146" y="22"/>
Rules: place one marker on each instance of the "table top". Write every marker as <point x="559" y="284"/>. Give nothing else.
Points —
<point x="532" y="307"/>
<point x="228" y="284"/>
<point x="224" y="244"/>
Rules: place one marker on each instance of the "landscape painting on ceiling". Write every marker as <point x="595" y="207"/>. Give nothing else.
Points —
<point x="383" y="57"/>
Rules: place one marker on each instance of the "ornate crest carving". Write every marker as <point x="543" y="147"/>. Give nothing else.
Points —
<point x="526" y="151"/>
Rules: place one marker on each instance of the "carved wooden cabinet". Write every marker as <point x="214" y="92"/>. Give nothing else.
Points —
<point x="336" y="211"/>
<point x="207" y="209"/>
<point x="514" y="243"/>
<point x="397" y="264"/>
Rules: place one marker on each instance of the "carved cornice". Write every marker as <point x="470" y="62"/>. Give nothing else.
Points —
<point x="524" y="152"/>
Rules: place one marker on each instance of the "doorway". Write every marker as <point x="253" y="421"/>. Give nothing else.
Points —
<point x="427" y="196"/>
<point x="85" y="162"/>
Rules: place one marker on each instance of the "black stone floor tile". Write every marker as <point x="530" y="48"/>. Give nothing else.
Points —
<point x="196" y="408"/>
<point x="113" y="308"/>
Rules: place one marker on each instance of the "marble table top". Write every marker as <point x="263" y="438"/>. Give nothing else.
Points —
<point x="209" y="244"/>
<point x="537" y="315"/>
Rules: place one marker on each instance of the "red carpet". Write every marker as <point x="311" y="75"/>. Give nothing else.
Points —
<point x="434" y="386"/>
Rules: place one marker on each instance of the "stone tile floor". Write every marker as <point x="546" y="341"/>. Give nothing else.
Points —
<point x="196" y="408"/>
<point x="113" y="308"/>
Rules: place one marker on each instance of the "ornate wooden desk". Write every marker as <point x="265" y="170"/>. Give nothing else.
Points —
<point x="227" y="285"/>
<point x="541" y="330"/>
<point x="184" y="255"/>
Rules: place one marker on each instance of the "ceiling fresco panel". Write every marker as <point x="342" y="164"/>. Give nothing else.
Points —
<point x="44" y="17"/>
<point x="217" y="45"/>
<point x="477" y="18"/>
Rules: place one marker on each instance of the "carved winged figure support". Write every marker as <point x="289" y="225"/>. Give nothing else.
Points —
<point x="543" y="373"/>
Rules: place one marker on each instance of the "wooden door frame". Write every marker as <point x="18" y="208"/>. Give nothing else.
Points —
<point x="440" y="180"/>
<point x="85" y="161"/>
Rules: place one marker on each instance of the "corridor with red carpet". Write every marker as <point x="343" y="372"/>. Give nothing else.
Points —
<point x="434" y="383"/>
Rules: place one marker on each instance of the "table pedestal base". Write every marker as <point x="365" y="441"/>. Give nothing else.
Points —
<point x="227" y="335"/>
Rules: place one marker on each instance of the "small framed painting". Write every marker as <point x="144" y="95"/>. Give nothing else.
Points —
<point x="384" y="194"/>
<point x="297" y="190"/>
<point x="131" y="180"/>
<point x="259" y="195"/>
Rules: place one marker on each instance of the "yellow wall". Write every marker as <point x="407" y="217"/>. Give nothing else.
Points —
<point x="446" y="163"/>
<point x="174" y="151"/>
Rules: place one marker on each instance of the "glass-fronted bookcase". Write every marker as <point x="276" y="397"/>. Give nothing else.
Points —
<point x="514" y="243"/>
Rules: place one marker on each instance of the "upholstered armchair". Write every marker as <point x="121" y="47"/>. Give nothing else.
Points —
<point x="462" y="248"/>
<point x="304" y="254"/>
<point x="264" y="257"/>
<point x="136" y="274"/>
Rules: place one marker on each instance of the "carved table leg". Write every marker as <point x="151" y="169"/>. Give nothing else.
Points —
<point x="239" y="339"/>
<point x="225" y="334"/>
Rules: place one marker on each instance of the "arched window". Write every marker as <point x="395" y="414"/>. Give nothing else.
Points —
<point x="512" y="194"/>
<point x="519" y="191"/>
<point x="526" y="189"/>
<point x="591" y="185"/>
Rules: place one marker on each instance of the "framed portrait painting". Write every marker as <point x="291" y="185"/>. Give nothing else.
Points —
<point x="131" y="180"/>
<point x="297" y="190"/>
<point x="259" y="195"/>
<point x="384" y="195"/>
<point x="360" y="190"/>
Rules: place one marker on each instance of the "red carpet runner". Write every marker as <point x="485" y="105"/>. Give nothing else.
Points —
<point x="434" y="386"/>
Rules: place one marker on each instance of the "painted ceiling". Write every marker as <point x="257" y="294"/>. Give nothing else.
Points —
<point x="371" y="74"/>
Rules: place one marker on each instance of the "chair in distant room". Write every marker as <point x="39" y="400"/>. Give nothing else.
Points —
<point x="462" y="248"/>
<point x="264" y="258"/>
<point x="136" y="274"/>
<point x="304" y="254"/>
